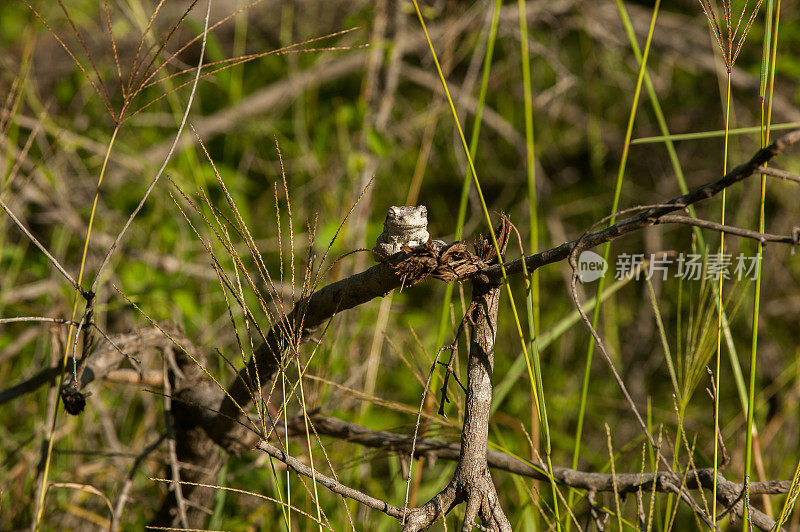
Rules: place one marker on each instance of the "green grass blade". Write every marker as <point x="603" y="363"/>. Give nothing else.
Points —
<point x="614" y="208"/>
<point x="719" y="304"/>
<point x="771" y="46"/>
<point x="669" y="138"/>
<point x="473" y="145"/>
<point x="532" y="280"/>
<point x="664" y="342"/>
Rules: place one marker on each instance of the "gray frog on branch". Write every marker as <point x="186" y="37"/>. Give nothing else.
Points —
<point x="403" y="226"/>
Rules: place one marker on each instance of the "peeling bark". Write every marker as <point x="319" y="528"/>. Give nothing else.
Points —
<point x="472" y="482"/>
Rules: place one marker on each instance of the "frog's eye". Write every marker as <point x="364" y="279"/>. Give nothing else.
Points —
<point x="423" y="210"/>
<point x="393" y="211"/>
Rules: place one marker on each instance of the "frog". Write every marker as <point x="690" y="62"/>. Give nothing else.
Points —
<point x="403" y="226"/>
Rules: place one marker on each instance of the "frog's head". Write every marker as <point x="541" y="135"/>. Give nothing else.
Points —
<point x="408" y="216"/>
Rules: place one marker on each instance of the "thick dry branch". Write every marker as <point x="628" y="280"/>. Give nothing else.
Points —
<point x="650" y="216"/>
<point x="665" y="482"/>
<point x="207" y="418"/>
<point x="307" y="315"/>
<point x="471" y="482"/>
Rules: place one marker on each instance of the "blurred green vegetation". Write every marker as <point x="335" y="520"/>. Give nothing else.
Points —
<point x="358" y="125"/>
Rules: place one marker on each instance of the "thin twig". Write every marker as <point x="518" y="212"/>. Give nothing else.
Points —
<point x="333" y="485"/>
<point x="651" y="215"/>
<point x="728" y="229"/>
<point x="574" y="294"/>
<point x="122" y="498"/>
<point x="47" y="254"/>
<point x="58" y="321"/>
<point x="173" y="456"/>
<point x="780" y="174"/>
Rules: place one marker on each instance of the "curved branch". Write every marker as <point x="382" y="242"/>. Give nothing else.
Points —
<point x="650" y="216"/>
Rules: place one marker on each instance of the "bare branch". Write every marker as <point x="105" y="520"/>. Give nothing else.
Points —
<point x="650" y="216"/>
<point x="39" y="319"/>
<point x="728" y="492"/>
<point x="332" y="484"/>
<point x="728" y="229"/>
<point x="780" y="174"/>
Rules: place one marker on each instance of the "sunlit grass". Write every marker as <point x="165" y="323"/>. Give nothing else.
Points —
<point x="55" y="147"/>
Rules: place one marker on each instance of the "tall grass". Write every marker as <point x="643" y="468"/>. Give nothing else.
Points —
<point x="576" y="450"/>
<point x="730" y="45"/>
<point x="769" y="54"/>
<point x="527" y="115"/>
